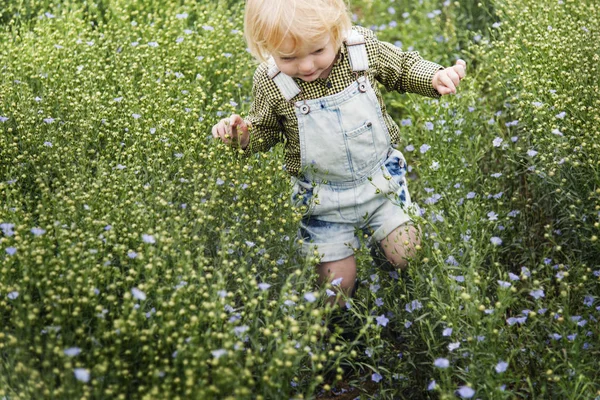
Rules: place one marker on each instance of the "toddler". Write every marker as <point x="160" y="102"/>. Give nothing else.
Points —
<point x="316" y="91"/>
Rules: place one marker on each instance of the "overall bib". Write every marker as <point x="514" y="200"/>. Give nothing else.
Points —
<point x="352" y="179"/>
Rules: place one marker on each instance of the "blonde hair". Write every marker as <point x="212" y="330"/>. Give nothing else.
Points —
<point x="267" y="23"/>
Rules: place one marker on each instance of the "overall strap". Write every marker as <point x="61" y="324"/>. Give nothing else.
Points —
<point x="357" y="51"/>
<point x="288" y="88"/>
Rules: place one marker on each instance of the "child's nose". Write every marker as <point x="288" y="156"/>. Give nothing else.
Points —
<point x="306" y="65"/>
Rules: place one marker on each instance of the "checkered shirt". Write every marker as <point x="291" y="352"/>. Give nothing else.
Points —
<point x="274" y="120"/>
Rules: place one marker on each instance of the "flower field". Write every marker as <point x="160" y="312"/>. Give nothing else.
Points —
<point x="140" y="259"/>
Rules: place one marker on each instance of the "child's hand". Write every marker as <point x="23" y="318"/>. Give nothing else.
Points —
<point x="446" y="80"/>
<point x="227" y="130"/>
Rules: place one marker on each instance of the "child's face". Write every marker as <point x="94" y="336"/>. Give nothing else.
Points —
<point x="309" y="62"/>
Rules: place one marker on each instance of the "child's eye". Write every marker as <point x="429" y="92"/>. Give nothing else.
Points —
<point x="319" y="51"/>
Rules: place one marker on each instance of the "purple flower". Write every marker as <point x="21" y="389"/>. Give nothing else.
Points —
<point x="492" y="216"/>
<point x="588" y="301"/>
<point x="453" y="346"/>
<point x="13" y="295"/>
<point x="382" y="320"/>
<point x="424" y="148"/>
<point x="497" y="142"/>
<point x="447" y="332"/>
<point x="263" y="286"/>
<point x="471" y="195"/>
<point x="504" y="284"/>
<point x="429" y="126"/>
<point x="376" y="377"/>
<point x="406" y="122"/>
<point x="501" y="367"/>
<point x="441" y="363"/>
<point x="11" y="251"/>
<point x="465" y="392"/>
<point x="431" y="385"/>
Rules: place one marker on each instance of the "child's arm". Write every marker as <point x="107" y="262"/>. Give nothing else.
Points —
<point x="446" y="80"/>
<point x="227" y="130"/>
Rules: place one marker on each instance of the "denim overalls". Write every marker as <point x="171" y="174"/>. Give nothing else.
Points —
<point x="351" y="176"/>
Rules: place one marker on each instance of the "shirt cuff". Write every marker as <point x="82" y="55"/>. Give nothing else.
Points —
<point x="421" y="76"/>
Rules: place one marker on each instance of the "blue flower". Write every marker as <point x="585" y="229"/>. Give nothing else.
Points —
<point x="11" y="251"/>
<point x="537" y="294"/>
<point x="218" y="353"/>
<point x="382" y="320"/>
<point x="148" y="239"/>
<point x="82" y="374"/>
<point x="453" y="346"/>
<point x="13" y="295"/>
<point x="588" y="301"/>
<point x="496" y="241"/>
<point x="263" y="286"/>
<point x="431" y="385"/>
<point x="516" y="320"/>
<point x="424" y="148"/>
<point x="72" y="351"/>
<point x="138" y="294"/>
<point x="441" y="363"/>
<point x="504" y="284"/>
<point x="465" y="392"/>
<point x="38" y="231"/>
<point x="447" y="332"/>
<point x="555" y="336"/>
<point x="414" y="305"/>
<point x="501" y="366"/>
<point x="376" y="377"/>
<point x="310" y="297"/>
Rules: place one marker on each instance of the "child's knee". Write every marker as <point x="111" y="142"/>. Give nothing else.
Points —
<point x="402" y="244"/>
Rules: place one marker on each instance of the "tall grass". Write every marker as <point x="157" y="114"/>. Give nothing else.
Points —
<point x="141" y="259"/>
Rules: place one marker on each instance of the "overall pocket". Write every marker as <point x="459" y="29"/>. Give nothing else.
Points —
<point x="361" y="148"/>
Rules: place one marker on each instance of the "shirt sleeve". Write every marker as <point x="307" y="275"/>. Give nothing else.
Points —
<point x="405" y="71"/>
<point x="265" y="130"/>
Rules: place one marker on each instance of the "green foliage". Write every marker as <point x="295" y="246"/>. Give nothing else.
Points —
<point x="141" y="259"/>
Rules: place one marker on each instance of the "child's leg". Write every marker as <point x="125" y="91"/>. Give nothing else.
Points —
<point x="401" y="244"/>
<point x="345" y="269"/>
